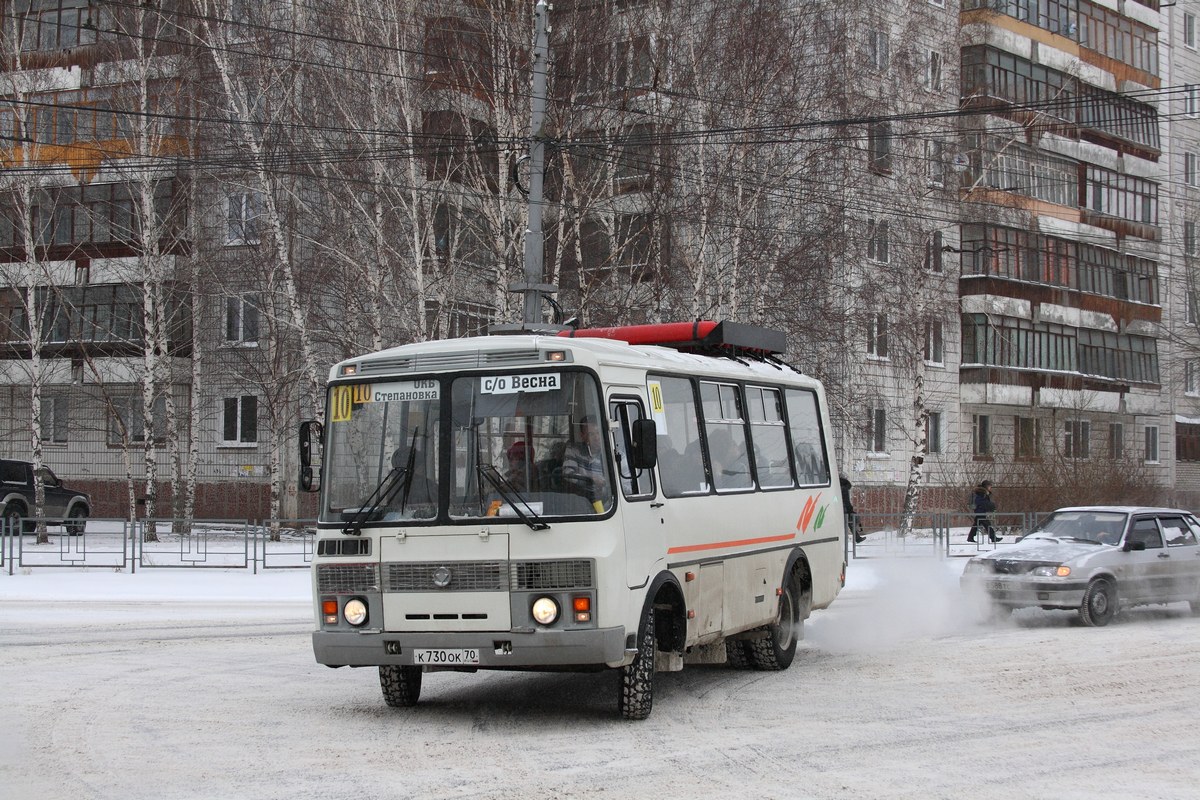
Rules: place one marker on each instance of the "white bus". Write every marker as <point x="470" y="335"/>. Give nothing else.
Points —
<point x="629" y="499"/>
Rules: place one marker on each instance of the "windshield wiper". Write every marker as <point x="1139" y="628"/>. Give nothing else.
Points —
<point x="396" y="479"/>
<point x="512" y="496"/>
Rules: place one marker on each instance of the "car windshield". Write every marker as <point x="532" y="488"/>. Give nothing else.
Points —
<point x="1101" y="527"/>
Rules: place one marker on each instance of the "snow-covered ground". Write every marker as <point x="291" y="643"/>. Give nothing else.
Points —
<point x="201" y="684"/>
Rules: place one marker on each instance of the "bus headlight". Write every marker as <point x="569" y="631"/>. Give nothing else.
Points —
<point x="355" y="612"/>
<point x="545" y="610"/>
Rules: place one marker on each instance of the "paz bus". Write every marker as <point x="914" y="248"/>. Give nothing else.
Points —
<point x="630" y="499"/>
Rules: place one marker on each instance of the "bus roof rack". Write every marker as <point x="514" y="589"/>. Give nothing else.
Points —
<point x="726" y="338"/>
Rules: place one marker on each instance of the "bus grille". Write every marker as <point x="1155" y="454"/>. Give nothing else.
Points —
<point x="455" y="576"/>
<point x="347" y="578"/>
<point x="487" y="576"/>
<point x="548" y="575"/>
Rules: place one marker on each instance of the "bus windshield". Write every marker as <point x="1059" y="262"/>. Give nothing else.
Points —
<point x="382" y="451"/>
<point x="541" y="435"/>
<point x="536" y="440"/>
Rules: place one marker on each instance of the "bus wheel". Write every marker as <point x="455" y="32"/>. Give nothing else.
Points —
<point x="637" y="680"/>
<point x="777" y="648"/>
<point x="736" y="655"/>
<point x="401" y="685"/>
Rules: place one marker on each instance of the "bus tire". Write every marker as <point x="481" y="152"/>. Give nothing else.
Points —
<point x="775" y="650"/>
<point x="736" y="655"/>
<point x="637" y="679"/>
<point x="401" y="685"/>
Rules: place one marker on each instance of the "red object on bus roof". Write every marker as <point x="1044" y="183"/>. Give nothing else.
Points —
<point x="698" y="335"/>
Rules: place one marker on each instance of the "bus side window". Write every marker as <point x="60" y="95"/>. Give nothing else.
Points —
<point x="680" y="458"/>
<point x="765" y="409"/>
<point x="808" y="449"/>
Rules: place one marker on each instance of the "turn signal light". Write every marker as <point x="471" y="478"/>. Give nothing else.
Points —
<point x="329" y="608"/>
<point x="583" y="608"/>
<point x="1063" y="571"/>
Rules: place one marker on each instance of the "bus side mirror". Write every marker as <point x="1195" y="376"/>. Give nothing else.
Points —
<point x="644" y="444"/>
<point x="311" y="450"/>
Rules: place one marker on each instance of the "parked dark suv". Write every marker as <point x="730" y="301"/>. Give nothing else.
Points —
<point x="63" y="506"/>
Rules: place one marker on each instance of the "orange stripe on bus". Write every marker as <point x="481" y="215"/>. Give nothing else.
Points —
<point x="691" y="548"/>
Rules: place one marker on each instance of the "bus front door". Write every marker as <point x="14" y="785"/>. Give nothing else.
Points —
<point x="640" y="510"/>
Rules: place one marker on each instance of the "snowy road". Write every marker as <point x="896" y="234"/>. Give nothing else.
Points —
<point x="897" y="692"/>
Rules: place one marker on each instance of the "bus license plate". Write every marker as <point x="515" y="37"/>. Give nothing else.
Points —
<point x="446" y="657"/>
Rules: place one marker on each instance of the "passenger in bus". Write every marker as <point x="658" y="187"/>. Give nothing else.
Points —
<point x="522" y="470"/>
<point x="583" y="461"/>
<point x="731" y="470"/>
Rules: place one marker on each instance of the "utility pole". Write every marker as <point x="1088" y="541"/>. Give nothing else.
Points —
<point x="533" y="287"/>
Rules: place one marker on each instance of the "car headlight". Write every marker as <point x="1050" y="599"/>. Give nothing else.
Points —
<point x="545" y="610"/>
<point x="1047" y="571"/>
<point x="355" y="612"/>
<point x="975" y="565"/>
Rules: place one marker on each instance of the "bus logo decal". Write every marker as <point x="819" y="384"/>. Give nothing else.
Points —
<point x="806" y="515"/>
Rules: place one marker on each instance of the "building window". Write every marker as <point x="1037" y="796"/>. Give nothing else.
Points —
<point x="1189" y="30"/>
<point x="240" y="420"/>
<point x="1191" y="310"/>
<point x="241" y="319"/>
<point x="1189" y="238"/>
<point x="243" y="212"/>
<point x="933" y="252"/>
<point x="1189" y="169"/>
<point x="1027" y="434"/>
<point x="981" y="435"/>
<point x="1187" y="441"/>
<point x="54" y="419"/>
<point x="127" y="422"/>
<point x="877" y="430"/>
<point x="1077" y="443"/>
<point x="1116" y="440"/>
<point x="933" y="71"/>
<point x="933" y="432"/>
<point x="879" y="146"/>
<point x="878" y="244"/>
<point x="1191" y="100"/>
<point x="1191" y="381"/>
<point x="879" y="50"/>
<point x="877" y="336"/>
<point x="934" y="343"/>
<point x="1152" y="444"/>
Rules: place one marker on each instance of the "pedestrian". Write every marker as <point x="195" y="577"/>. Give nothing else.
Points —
<point x="852" y="523"/>
<point x="984" y="506"/>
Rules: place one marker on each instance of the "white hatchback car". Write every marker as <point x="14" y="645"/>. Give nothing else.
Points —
<point x="1094" y="559"/>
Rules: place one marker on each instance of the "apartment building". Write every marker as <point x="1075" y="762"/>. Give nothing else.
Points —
<point x="976" y="222"/>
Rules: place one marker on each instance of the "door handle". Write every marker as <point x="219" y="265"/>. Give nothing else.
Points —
<point x="660" y="505"/>
<point x="1164" y="555"/>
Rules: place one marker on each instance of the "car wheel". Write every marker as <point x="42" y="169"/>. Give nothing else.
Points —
<point x="637" y="680"/>
<point x="776" y="650"/>
<point x="77" y="521"/>
<point x="401" y="685"/>
<point x="1099" y="603"/>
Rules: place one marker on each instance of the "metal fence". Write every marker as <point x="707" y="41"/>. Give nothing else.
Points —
<point x="289" y="544"/>
<point x="159" y="544"/>
<point x="940" y="534"/>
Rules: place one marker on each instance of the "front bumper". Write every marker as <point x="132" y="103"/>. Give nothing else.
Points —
<point x="1017" y="591"/>
<point x="497" y="649"/>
